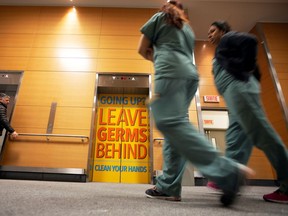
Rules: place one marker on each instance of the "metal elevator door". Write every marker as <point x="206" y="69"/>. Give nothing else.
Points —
<point x="217" y="137"/>
<point x="9" y="84"/>
<point x="121" y="160"/>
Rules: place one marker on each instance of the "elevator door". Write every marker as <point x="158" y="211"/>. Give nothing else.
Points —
<point x="217" y="137"/>
<point x="122" y="136"/>
<point x="9" y="84"/>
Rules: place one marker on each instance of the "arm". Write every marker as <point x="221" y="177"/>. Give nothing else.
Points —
<point x="145" y="48"/>
<point x="5" y="123"/>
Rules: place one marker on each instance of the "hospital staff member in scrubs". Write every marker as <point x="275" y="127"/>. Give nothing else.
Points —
<point x="168" y="41"/>
<point x="237" y="78"/>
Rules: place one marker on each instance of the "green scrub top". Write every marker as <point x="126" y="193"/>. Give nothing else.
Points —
<point x="173" y="48"/>
<point x="222" y="78"/>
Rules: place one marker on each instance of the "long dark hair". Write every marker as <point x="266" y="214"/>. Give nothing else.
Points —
<point x="175" y="13"/>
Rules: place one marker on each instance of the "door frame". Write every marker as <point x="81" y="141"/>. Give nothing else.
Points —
<point x="101" y="83"/>
<point x="12" y="80"/>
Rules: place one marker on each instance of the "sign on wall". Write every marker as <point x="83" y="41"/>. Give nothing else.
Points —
<point x="211" y="98"/>
<point x="215" y="119"/>
<point x="122" y="139"/>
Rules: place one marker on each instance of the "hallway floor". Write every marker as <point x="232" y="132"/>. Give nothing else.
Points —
<point x="47" y="198"/>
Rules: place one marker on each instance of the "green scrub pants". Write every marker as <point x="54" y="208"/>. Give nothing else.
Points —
<point x="183" y="141"/>
<point x="238" y="146"/>
<point x="249" y="127"/>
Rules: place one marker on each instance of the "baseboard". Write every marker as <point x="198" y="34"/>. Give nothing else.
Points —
<point x="43" y="176"/>
<point x="249" y="182"/>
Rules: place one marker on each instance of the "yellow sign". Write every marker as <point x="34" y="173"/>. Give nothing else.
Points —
<point x="122" y="139"/>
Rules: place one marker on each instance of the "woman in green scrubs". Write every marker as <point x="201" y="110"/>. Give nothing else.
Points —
<point x="168" y="41"/>
<point x="237" y="78"/>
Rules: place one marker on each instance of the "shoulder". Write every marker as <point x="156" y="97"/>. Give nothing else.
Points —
<point x="154" y="23"/>
<point x="158" y="16"/>
<point x="239" y="37"/>
<point x="233" y="42"/>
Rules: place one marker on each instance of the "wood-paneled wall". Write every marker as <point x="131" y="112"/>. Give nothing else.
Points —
<point x="273" y="34"/>
<point x="204" y="53"/>
<point x="60" y="51"/>
<point x="275" y="38"/>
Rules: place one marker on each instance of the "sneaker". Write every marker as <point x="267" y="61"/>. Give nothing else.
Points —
<point x="277" y="197"/>
<point x="213" y="186"/>
<point x="228" y="197"/>
<point x="155" y="194"/>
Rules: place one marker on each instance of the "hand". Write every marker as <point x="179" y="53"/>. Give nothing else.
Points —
<point x="14" y="134"/>
<point x="149" y="54"/>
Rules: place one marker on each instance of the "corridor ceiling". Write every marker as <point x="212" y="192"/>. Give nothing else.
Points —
<point x="241" y="14"/>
